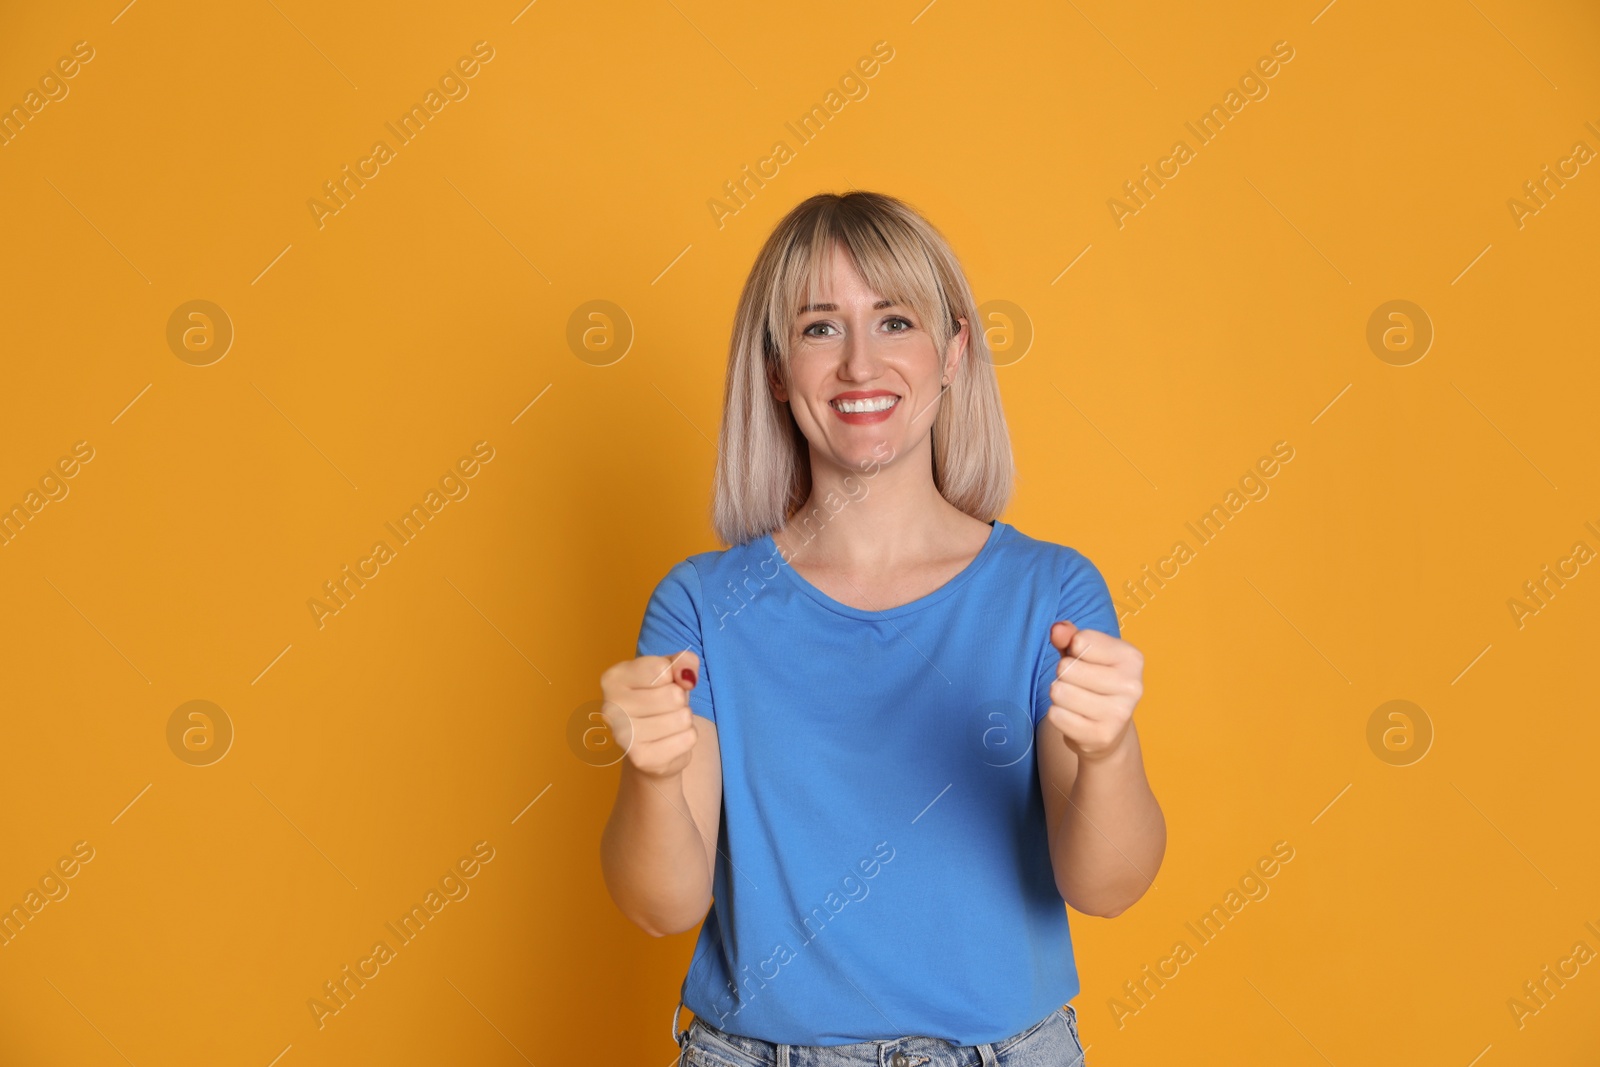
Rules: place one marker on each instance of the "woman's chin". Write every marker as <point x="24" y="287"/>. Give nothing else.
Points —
<point x="866" y="454"/>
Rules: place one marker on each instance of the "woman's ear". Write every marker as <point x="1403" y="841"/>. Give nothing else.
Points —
<point x="956" y="351"/>
<point x="775" y="383"/>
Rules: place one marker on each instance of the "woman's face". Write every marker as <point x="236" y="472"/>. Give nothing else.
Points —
<point x="862" y="375"/>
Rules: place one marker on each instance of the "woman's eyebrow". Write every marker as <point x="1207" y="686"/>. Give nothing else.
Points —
<point x="879" y="306"/>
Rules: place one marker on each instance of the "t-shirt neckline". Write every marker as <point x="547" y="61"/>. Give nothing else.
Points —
<point x="996" y="528"/>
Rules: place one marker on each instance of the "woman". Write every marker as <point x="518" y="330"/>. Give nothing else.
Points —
<point x="883" y="736"/>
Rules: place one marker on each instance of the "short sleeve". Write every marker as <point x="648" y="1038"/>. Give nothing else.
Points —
<point x="672" y="624"/>
<point x="1084" y="601"/>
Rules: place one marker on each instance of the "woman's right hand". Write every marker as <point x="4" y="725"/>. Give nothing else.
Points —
<point x="645" y="705"/>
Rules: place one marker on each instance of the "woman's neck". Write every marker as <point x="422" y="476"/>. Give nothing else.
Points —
<point x="874" y="521"/>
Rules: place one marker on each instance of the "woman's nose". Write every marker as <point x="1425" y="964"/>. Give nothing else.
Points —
<point x="860" y="357"/>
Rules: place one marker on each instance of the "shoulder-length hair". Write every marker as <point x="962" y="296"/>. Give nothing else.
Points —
<point x="763" y="471"/>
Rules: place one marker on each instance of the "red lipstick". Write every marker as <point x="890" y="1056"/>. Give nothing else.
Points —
<point x="859" y="418"/>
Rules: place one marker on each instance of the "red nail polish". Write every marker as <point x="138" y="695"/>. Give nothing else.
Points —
<point x="688" y="675"/>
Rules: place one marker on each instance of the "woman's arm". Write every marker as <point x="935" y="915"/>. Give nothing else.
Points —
<point x="1107" y="832"/>
<point x="659" y="848"/>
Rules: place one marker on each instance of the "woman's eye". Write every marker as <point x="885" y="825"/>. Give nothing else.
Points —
<point x="806" y="332"/>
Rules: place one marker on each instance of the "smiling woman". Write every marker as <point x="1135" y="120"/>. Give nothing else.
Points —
<point x="855" y="698"/>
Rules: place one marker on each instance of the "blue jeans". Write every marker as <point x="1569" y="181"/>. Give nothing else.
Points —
<point x="1050" y="1042"/>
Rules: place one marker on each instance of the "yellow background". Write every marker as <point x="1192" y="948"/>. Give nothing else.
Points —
<point x="371" y="353"/>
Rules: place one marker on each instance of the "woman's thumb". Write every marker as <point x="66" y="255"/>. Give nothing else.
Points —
<point x="686" y="669"/>
<point x="1062" y="638"/>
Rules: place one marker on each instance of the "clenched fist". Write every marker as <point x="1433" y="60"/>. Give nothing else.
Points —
<point x="1098" y="682"/>
<point x="645" y="704"/>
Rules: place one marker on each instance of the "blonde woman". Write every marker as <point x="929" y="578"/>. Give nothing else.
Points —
<point x="880" y="740"/>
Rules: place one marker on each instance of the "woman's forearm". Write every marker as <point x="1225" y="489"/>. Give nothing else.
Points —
<point x="1111" y="837"/>
<point x="652" y="856"/>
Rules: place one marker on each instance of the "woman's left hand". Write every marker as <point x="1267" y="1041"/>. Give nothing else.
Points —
<point x="1098" y="681"/>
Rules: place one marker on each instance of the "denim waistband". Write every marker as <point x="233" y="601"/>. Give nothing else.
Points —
<point x="896" y="1052"/>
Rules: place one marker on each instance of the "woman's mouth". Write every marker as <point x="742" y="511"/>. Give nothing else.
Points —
<point x="865" y="409"/>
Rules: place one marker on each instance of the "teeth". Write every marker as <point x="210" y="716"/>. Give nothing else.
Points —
<point x="876" y="403"/>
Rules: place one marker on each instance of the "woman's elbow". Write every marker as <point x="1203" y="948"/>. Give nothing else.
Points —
<point x="1105" y="906"/>
<point x="657" y="925"/>
<point x="1085" y="906"/>
<point x="662" y="929"/>
<point x="1098" y="910"/>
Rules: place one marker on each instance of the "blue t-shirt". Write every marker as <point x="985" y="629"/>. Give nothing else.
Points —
<point x="883" y="869"/>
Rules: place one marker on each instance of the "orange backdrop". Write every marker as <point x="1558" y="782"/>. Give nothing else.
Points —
<point x="284" y="281"/>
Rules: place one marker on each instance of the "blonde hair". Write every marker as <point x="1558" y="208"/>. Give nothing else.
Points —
<point x="763" y="470"/>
